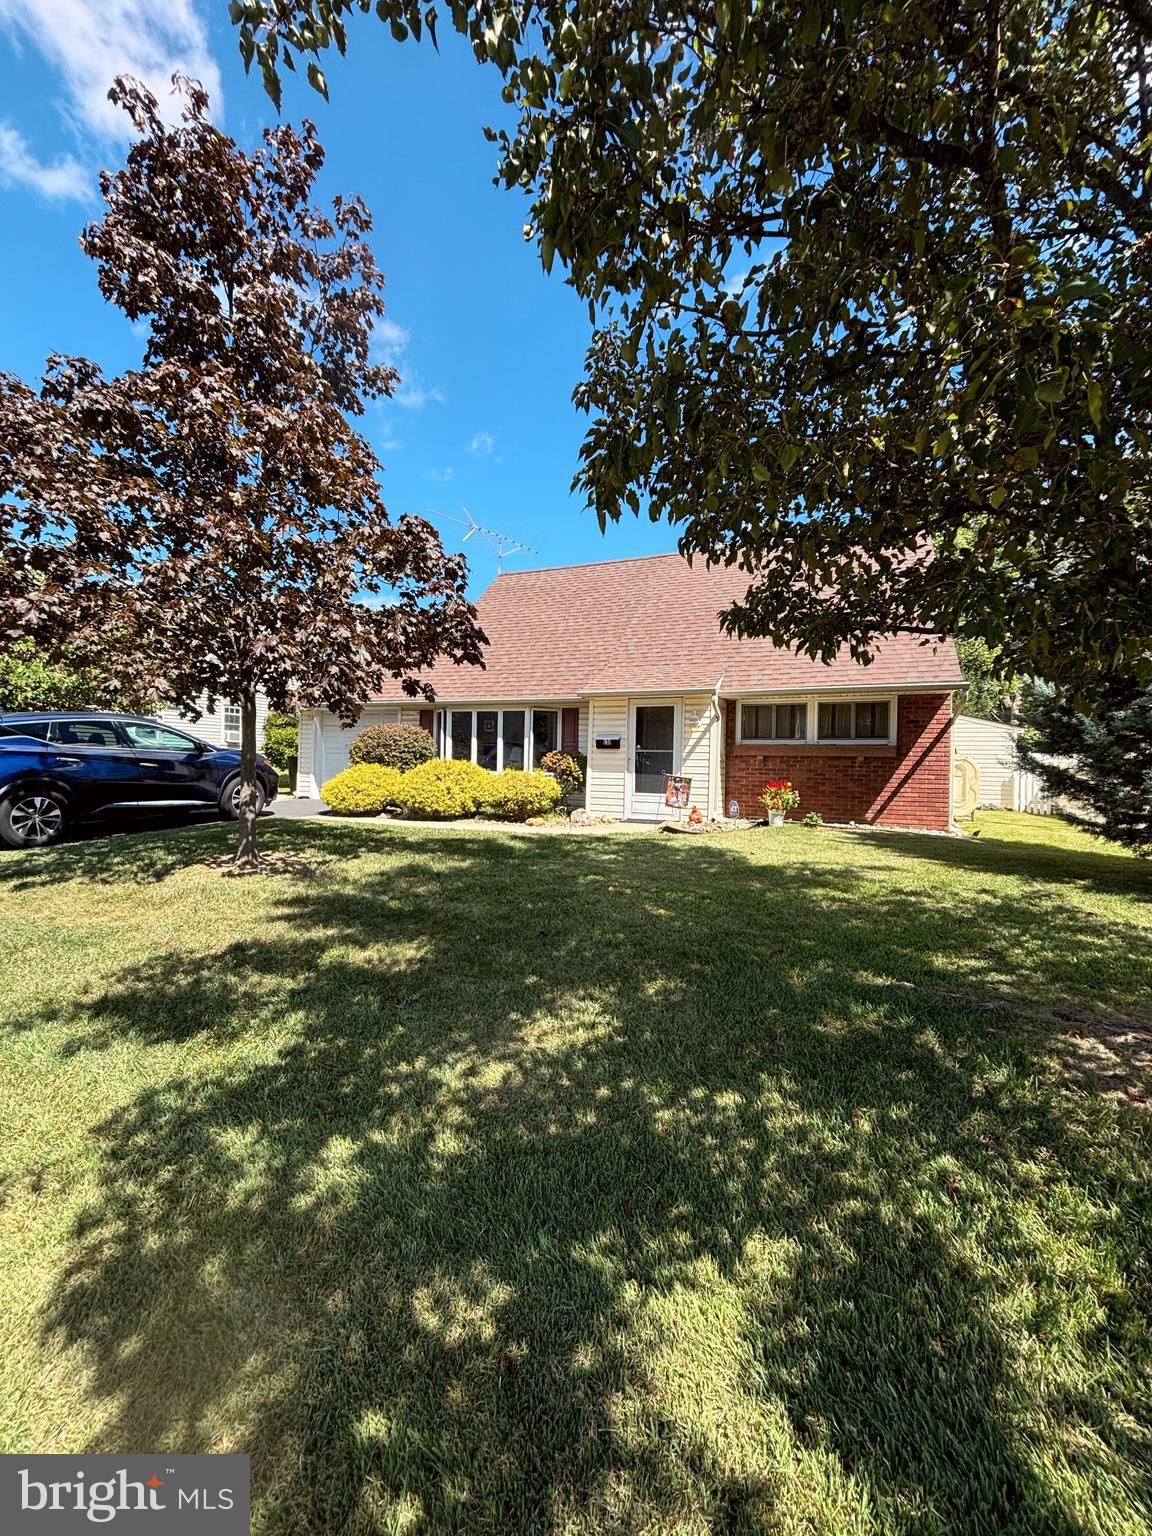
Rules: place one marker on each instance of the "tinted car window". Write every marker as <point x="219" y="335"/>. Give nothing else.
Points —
<point x="158" y="738"/>
<point x="84" y="733"/>
<point x="37" y="728"/>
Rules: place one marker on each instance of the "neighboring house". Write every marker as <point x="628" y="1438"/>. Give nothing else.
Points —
<point x="220" y="728"/>
<point x="625" y="660"/>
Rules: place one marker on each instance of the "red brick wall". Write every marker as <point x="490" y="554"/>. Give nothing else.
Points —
<point x="902" y="786"/>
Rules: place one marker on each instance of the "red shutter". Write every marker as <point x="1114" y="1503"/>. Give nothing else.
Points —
<point x="570" y="730"/>
<point x="426" y="720"/>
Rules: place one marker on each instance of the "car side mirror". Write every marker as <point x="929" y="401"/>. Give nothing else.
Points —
<point x="201" y="748"/>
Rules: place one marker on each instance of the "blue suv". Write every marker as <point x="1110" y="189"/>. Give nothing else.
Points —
<point x="62" y="767"/>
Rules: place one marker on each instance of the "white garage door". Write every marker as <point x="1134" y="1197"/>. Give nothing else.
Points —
<point x="335" y="739"/>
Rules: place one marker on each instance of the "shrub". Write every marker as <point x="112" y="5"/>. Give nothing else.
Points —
<point x="565" y="769"/>
<point x="363" y="790"/>
<point x="281" y="737"/>
<point x="813" y="819"/>
<point x="515" y="795"/>
<point x="393" y="746"/>
<point x="444" y="788"/>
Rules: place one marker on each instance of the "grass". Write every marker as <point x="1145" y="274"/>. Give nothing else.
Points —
<point x="483" y="1182"/>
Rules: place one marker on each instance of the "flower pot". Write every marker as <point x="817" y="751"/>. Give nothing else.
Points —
<point x="775" y="818"/>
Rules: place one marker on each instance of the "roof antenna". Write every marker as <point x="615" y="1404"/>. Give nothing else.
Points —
<point x="501" y="544"/>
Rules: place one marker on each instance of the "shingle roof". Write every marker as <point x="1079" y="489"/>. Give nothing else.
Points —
<point x="651" y="625"/>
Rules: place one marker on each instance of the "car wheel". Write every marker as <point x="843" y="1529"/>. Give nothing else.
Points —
<point x="230" y="798"/>
<point x="32" y="818"/>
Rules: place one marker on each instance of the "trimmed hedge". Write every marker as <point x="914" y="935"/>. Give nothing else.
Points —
<point x="363" y="790"/>
<point x="515" y="795"/>
<point x="444" y="789"/>
<point x="393" y="746"/>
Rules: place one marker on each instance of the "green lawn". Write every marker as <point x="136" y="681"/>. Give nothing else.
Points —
<point x="500" y="1183"/>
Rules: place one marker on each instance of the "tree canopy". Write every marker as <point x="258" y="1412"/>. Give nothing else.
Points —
<point x="872" y="292"/>
<point x="210" y="523"/>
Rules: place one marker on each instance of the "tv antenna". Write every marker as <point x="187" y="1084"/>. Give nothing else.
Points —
<point x="501" y="544"/>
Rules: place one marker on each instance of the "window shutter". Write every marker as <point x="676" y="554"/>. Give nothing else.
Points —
<point x="426" y="720"/>
<point x="570" y="730"/>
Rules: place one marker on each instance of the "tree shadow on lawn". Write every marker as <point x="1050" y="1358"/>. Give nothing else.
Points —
<point x="573" y="1190"/>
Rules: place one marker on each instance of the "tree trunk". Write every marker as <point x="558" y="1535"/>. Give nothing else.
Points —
<point x="246" y="854"/>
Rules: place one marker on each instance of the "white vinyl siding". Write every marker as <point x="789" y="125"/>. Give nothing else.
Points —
<point x="305" y="784"/>
<point x="210" y="727"/>
<point x="607" y="770"/>
<point x="700" y="744"/>
<point x="991" y="746"/>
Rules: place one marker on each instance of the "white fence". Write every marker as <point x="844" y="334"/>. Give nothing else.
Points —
<point x="1025" y="792"/>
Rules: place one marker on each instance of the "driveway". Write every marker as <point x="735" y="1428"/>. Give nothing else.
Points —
<point x="286" y="805"/>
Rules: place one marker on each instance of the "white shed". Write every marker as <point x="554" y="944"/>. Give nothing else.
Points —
<point x="992" y="747"/>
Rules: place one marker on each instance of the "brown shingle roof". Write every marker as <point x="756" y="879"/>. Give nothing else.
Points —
<point x="651" y="625"/>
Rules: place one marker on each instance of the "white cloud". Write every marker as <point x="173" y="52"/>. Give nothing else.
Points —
<point x="414" y="395"/>
<point x="443" y="475"/>
<point x="92" y="41"/>
<point x="389" y="340"/>
<point x="390" y="347"/>
<point x="19" y="167"/>
<point x="483" y="444"/>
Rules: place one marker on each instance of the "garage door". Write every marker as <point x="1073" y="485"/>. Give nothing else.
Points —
<point x="335" y="739"/>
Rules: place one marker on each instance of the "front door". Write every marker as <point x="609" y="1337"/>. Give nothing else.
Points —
<point x="655" y="754"/>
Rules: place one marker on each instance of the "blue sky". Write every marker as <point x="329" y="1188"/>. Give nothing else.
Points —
<point x="488" y="347"/>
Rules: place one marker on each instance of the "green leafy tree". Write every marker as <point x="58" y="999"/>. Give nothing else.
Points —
<point x="991" y="695"/>
<point x="872" y="284"/>
<point x="29" y="681"/>
<point x="1101" y="761"/>
<point x="210" y="523"/>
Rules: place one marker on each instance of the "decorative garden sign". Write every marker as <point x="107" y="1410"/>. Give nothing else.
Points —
<point x="677" y="791"/>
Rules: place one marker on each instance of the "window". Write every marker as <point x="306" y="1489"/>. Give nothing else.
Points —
<point x="774" y="722"/>
<point x="487" y="738"/>
<point x="231" y="722"/>
<point x="36" y="728"/>
<point x="461" y="734"/>
<point x="156" y="738"/>
<point x="84" y="733"/>
<point x="544" y="732"/>
<point x="498" y="738"/>
<point x="856" y="720"/>
<point x="513" y="738"/>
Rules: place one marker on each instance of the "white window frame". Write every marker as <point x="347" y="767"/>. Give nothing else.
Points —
<point x="444" y="744"/>
<point x="812" y="701"/>
<point x="231" y="732"/>
<point x="775" y="741"/>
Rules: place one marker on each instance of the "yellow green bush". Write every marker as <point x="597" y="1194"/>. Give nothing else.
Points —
<point x="515" y="795"/>
<point x="444" y="789"/>
<point x="362" y="790"/>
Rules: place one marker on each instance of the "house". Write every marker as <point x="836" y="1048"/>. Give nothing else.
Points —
<point x="625" y="660"/>
<point x="220" y="728"/>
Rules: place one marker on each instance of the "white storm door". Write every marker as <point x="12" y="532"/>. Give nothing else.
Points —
<point x="654" y="752"/>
